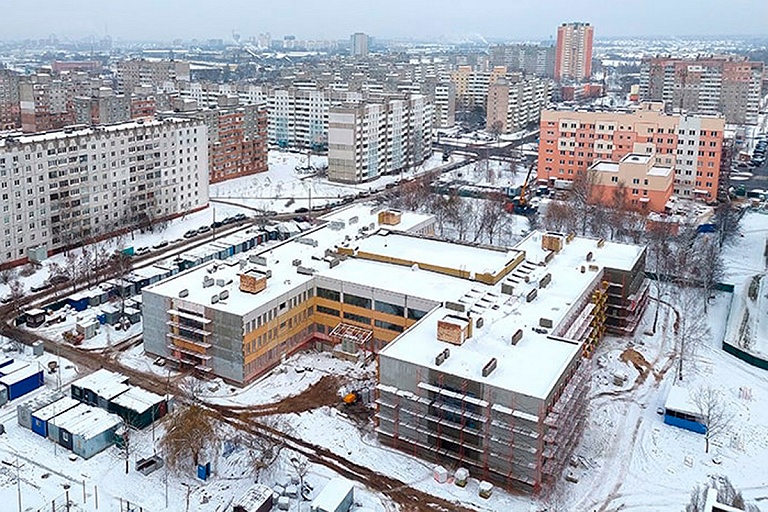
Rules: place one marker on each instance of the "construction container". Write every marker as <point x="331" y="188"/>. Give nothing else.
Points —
<point x="12" y="368"/>
<point x="41" y="417"/>
<point x="88" y="328"/>
<point x="99" y="387"/>
<point x="84" y="430"/>
<point x="79" y="301"/>
<point x="256" y="499"/>
<point x="133" y="314"/>
<point x="25" y="409"/>
<point x="5" y="361"/>
<point x="35" y="317"/>
<point x="38" y="348"/>
<point x="336" y="496"/>
<point x="111" y="314"/>
<point x="23" y="381"/>
<point x="138" y="407"/>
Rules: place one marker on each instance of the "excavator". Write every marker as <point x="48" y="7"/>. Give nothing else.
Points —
<point x="520" y="204"/>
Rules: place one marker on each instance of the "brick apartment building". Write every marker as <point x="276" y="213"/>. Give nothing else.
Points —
<point x="10" y="113"/>
<point x="237" y="138"/>
<point x="571" y="141"/>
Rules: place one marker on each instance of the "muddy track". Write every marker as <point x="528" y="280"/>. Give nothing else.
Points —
<point x="246" y="420"/>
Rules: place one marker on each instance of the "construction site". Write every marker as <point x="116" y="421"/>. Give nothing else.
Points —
<point x="495" y="382"/>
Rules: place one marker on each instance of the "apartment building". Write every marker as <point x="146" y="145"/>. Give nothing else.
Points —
<point x="573" y="53"/>
<point x="134" y="73"/>
<point x="444" y="105"/>
<point x="372" y="138"/>
<point x="63" y="188"/>
<point x="46" y="103"/>
<point x="483" y="352"/>
<point x="514" y="105"/>
<point x="727" y="85"/>
<point x="472" y="85"/>
<point x="237" y="138"/>
<point x="571" y="141"/>
<point x="648" y="186"/>
<point x="528" y="58"/>
<point x="104" y="107"/>
<point x="298" y="116"/>
<point x="10" y="109"/>
<point x="359" y="44"/>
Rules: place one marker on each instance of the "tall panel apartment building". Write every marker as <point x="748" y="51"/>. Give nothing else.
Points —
<point x="298" y="117"/>
<point x="445" y="105"/>
<point x="46" y="103"/>
<point x="104" y="107"/>
<point x="513" y="105"/>
<point x="359" y="43"/>
<point x="571" y="141"/>
<point x="573" y="53"/>
<point x="237" y="139"/>
<point x="133" y="73"/>
<point x="10" y="103"/>
<point x="64" y="188"/>
<point x="528" y="58"/>
<point x="369" y="139"/>
<point x="727" y="85"/>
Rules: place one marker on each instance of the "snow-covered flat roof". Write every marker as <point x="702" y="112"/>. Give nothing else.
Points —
<point x="138" y="399"/>
<point x="441" y="253"/>
<point x="255" y="497"/>
<point x="89" y="422"/>
<point x="13" y="367"/>
<point x="20" y="375"/>
<point x="100" y="379"/>
<point x="679" y="399"/>
<point x="534" y="364"/>
<point x="56" y="408"/>
<point x="279" y="261"/>
<point x="399" y="279"/>
<point x="332" y="495"/>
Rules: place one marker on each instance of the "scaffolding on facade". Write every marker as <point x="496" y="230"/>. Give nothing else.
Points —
<point x="349" y="336"/>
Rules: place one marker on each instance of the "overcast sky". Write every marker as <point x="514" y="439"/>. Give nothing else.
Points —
<point x="336" y="19"/>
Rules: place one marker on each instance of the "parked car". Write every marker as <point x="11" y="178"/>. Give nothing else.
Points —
<point x="216" y="225"/>
<point x="240" y="217"/>
<point x="40" y="287"/>
<point x="302" y="210"/>
<point x="228" y="220"/>
<point x="190" y="234"/>
<point x="58" y="279"/>
<point x="161" y="244"/>
<point x="203" y="229"/>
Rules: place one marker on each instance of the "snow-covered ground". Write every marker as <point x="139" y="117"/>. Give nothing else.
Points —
<point x="285" y="189"/>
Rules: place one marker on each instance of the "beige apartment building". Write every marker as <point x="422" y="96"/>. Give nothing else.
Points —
<point x="572" y="140"/>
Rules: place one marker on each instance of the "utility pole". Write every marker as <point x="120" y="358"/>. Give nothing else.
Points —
<point x="18" y="482"/>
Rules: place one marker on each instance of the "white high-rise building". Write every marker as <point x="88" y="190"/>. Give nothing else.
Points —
<point x="359" y="44"/>
<point x="65" y="188"/>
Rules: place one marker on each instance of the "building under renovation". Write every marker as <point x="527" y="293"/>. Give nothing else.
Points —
<point x="483" y="351"/>
<point x="495" y="381"/>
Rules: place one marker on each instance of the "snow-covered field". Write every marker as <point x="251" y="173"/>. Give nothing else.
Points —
<point x="285" y="189"/>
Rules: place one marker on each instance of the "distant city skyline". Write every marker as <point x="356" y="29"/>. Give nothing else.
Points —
<point x="399" y="19"/>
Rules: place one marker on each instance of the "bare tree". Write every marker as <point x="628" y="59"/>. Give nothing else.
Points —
<point x="691" y="328"/>
<point x="708" y="269"/>
<point x="7" y="275"/>
<point x="191" y="433"/>
<point x="493" y="216"/>
<point x="726" y="495"/>
<point x="663" y="260"/>
<point x="715" y="412"/>
<point x="559" y="216"/>
<point x="16" y="294"/>
<point x="582" y="197"/>
<point x="727" y="218"/>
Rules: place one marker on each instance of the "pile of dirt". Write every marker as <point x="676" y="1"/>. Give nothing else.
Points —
<point x="637" y="360"/>
<point x="319" y="394"/>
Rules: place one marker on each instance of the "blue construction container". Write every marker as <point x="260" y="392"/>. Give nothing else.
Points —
<point x="12" y="367"/>
<point x="79" y="301"/>
<point x="41" y="417"/>
<point x="22" y="382"/>
<point x="5" y="361"/>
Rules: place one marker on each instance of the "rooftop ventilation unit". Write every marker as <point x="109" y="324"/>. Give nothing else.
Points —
<point x="214" y="298"/>
<point x="224" y="295"/>
<point x="184" y="293"/>
<point x="517" y="336"/>
<point x="442" y="356"/>
<point x="207" y="281"/>
<point x="488" y="368"/>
